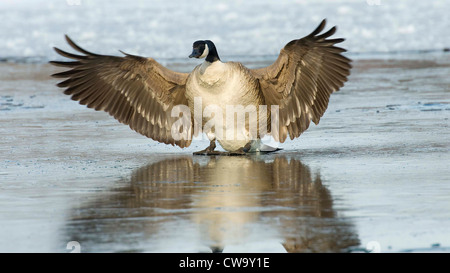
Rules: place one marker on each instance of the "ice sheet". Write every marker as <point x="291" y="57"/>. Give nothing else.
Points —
<point x="374" y="172"/>
<point x="167" y="29"/>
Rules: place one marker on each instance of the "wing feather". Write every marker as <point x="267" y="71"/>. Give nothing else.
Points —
<point x="137" y="91"/>
<point x="301" y="80"/>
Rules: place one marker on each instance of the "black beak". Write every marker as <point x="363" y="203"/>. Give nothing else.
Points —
<point x="195" y="53"/>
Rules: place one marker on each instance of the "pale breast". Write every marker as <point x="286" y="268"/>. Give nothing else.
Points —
<point x="223" y="85"/>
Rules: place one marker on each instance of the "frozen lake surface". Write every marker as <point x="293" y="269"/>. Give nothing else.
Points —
<point x="237" y="27"/>
<point x="373" y="175"/>
<point x="374" y="172"/>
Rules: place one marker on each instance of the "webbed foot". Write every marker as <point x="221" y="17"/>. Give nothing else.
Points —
<point x="209" y="150"/>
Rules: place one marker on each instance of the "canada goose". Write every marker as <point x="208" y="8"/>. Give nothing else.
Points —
<point x="143" y="94"/>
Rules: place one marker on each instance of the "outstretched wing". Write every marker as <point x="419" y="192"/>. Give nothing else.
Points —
<point x="302" y="79"/>
<point x="137" y="91"/>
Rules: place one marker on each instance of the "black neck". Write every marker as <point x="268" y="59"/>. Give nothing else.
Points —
<point x="212" y="55"/>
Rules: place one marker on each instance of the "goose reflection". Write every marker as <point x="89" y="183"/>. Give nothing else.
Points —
<point x="237" y="204"/>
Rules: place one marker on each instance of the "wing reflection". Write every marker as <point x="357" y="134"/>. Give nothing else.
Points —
<point x="184" y="204"/>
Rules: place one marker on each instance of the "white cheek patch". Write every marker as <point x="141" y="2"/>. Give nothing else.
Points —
<point x="205" y="52"/>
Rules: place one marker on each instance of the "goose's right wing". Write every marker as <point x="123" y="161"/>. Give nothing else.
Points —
<point x="137" y="91"/>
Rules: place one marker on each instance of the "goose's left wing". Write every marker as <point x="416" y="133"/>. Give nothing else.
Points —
<point x="302" y="79"/>
<point x="137" y="91"/>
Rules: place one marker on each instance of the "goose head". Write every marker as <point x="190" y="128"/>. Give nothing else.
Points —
<point x="204" y="49"/>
